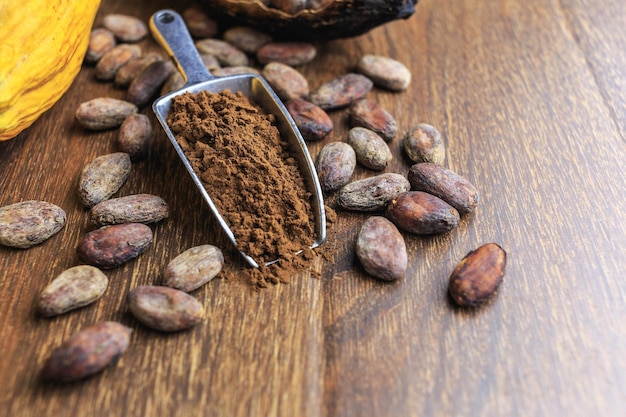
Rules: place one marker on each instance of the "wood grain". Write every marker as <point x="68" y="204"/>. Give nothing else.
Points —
<point x="530" y="98"/>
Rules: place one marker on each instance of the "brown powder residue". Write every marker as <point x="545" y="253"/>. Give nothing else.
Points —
<point x="237" y="152"/>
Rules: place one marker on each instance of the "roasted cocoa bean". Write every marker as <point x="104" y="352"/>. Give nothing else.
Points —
<point x="174" y="82"/>
<point x="134" y="136"/>
<point x="289" y="6"/>
<point x="149" y="82"/>
<point x="114" y="59"/>
<point x="371" y="150"/>
<point x="29" y="223"/>
<point x="236" y="70"/>
<point x="199" y="24"/>
<point x="87" y="352"/>
<point x="289" y="53"/>
<point x="225" y="53"/>
<point x="385" y="72"/>
<point x="101" y="40"/>
<point x="193" y="268"/>
<point x="335" y="165"/>
<point x="313" y="122"/>
<point x="341" y="91"/>
<point x="131" y="70"/>
<point x="451" y="187"/>
<point x="246" y="38"/>
<point x="103" y="113"/>
<point x="370" y="115"/>
<point x="137" y="208"/>
<point x="126" y="28"/>
<point x="74" y="288"/>
<point x="381" y="249"/>
<point x="478" y="275"/>
<point x="422" y="213"/>
<point x="164" y="308"/>
<point x="210" y="62"/>
<point x="286" y="82"/>
<point x="422" y="143"/>
<point x="103" y="177"/>
<point x="111" y="246"/>
<point x="373" y="193"/>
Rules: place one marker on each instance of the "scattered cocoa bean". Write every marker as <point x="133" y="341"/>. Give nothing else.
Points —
<point x="164" y="308"/>
<point x="193" y="268"/>
<point x="451" y="187"/>
<point x="373" y="193"/>
<point x="111" y="246"/>
<point x="210" y="62"/>
<point x="126" y="28"/>
<point x="101" y="40"/>
<point x="74" y="288"/>
<point x="341" y="91"/>
<point x="128" y="72"/>
<point x="198" y="23"/>
<point x="225" y="53"/>
<point x="422" y="213"/>
<point x="87" y="352"/>
<point x="114" y="59"/>
<point x="174" y="82"/>
<point x="371" y="150"/>
<point x="246" y="38"/>
<point x="103" y="113"/>
<point x="136" y="208"/>
<point x="289" y="53"/>
<point x="422" y="143"/>
<point x="236" y="70"/>
<point x="381" y="249"/>
<point x="385" y="72"/>
<point x="134" y="136"/>
<point x="313" y="122"/>
<point x="103" y="177"/>
<point x="286" y="81"/>
<point x="478" y="275"/>
<point x="370" y="115"/>
<point x="29" y="223"/>
<point x="149" y="82"/>
<point x="335" y="165"/>
<point x="289" y="6"/>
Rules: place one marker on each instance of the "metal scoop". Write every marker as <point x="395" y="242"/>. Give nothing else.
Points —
<point x="170" y="31"/>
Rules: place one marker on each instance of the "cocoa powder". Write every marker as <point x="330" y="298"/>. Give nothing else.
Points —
<point x="238" y="153"/>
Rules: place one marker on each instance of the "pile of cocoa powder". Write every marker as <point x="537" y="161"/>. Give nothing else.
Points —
<point x="237" y="152"/>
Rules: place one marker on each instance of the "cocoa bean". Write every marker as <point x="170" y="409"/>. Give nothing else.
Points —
<point x="373" y="193"/>
<point x="164" y="308"/>
<point x="131" y="70"/>
<point x="29" y="223"/>
<point x="199" y="24"/>
<point x="236" y="70"/>
<point x="126" y="28"/>
<point x="114" y="59"/>
<point x="341" y="91"/>
<point x="422" y="143"/>
<point x="225" y="53"/>
<point x="478" y="275"/>
<point x="101" y="40"/>
<point x="193" y="268"/>
<point x="335" y="165"/>
<point x="451" y="187"/>
<point x="286" y="82"/>
<point x="381" y="249"/>
<point x="246" y="38"/>
<point x="371" y="150"/>
<point x="313" y="122"/>
<point x="74" y="288"/>
<point x="103" y="113"/>
<point x="149" y="82"/>
<point x="174" y="82"/>
<point x="111" y="246"/>
<point x="422" y="213"/>
<point x="103" y="177"/>
<point x="87" y="352"/>
<point x="289" y="53"/>
<point x="210" y="62"/>
<point x="289" y="6"/>
<point x="370" y="115"/>
<point x="137" y="208"/>
<point x="134" y="136"/>
<point x="385" y="72"/>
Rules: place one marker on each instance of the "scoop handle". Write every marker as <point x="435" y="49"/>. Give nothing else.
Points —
<point x="170" y="31"/>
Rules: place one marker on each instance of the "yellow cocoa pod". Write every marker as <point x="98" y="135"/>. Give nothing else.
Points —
<point x="42" y="50"/>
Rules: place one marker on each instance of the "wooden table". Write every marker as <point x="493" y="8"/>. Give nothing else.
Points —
<point x="530" y="97"/>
